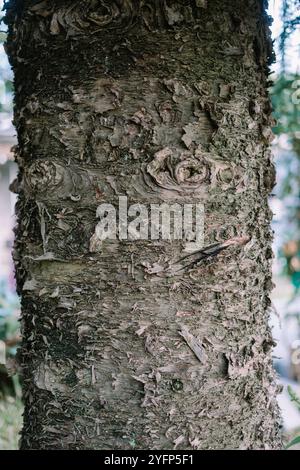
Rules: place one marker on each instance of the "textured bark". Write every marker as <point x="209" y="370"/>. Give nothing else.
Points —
<point x="136" y="97"/>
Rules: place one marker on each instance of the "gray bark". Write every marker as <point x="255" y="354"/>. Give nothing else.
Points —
<point x="117" y="98"/>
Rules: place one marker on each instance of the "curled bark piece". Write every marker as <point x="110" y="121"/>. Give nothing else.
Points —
<point x="194" y="344"/>
<point x="192" y="260"/>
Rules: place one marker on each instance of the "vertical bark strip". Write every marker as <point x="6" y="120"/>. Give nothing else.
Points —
<point x="159" y="101"/>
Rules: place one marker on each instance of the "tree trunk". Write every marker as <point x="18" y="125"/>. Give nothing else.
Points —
<point x="159" y="101"/>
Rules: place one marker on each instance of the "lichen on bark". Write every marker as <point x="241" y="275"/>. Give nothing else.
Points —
<point x="155" y="100"/>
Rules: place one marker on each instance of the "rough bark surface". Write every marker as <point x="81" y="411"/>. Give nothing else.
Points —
<point x="160" y="101"/>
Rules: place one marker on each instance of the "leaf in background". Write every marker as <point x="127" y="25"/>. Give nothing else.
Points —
<point x="293" y="442"/>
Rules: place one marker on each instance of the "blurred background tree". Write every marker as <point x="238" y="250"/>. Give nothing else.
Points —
<point x="286" y="103"/>
<point x="285" y="94"/>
